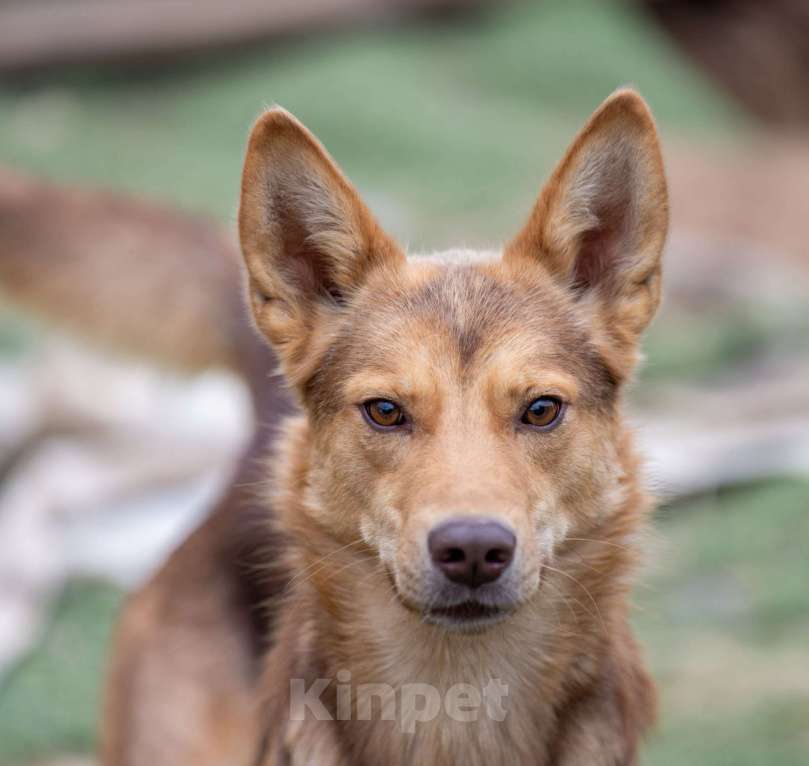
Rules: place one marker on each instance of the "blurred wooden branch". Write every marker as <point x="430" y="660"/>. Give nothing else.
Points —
<point x="35" y="34"/>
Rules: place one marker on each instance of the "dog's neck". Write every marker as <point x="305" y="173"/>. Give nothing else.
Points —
<point x="346" y="624"/>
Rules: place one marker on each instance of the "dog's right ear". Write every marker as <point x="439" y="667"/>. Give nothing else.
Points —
<point x="306" y="236"/>
<point x="600" y="222"/>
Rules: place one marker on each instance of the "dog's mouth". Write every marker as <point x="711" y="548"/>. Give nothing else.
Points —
<point x="470" y="611"/>
<point x="468" y="615"/>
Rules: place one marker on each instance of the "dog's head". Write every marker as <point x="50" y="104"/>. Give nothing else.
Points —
<point x="463" y="410"/>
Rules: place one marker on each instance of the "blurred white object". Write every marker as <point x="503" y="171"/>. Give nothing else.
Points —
<point x="738" y="429"/>
<point x="107" y="464"/>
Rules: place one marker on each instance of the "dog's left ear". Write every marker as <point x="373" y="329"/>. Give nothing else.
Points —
<point x="308" y="240"/>
<point x="600" y="222"/>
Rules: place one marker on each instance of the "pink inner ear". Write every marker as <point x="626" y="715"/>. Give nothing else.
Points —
<point x="594" y="259"/>
<point x="307" y="269"/>
<point x="602" y="249"/>
<point x="302" y="265"/>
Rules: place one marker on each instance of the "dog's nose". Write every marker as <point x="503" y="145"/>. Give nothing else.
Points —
<point x="471" y="552"/>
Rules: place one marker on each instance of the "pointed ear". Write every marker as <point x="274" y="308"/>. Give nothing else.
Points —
<point x="307" y="238"/>
<point x="600" y="222"/>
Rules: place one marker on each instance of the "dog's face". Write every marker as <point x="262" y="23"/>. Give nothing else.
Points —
<point x="462" y="422"/>
<point x="463" y="409"/>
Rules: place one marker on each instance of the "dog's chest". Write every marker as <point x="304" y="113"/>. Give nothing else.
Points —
<point x="446" y="737"/>
<point x="488" y="712"/>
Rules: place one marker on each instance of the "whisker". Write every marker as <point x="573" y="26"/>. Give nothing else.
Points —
<point x="314" y="574"/>
<point x="601" y="542"/>
<point x="394" y="596"/>
<point x="559" y="593"/>
<point x="584" y="588"/>
<point x="249" y="484"/>
<point x="583" y="563"/>
<point x="642" y="585"/>
<point x="324" y="558"/>
<point x="568" y="599"/>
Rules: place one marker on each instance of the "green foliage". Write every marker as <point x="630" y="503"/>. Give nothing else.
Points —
<point x="694" y="345"/>
<point x="16" y="333"/>
<point x="50" y="702"/>
<point x="725" y="621"/>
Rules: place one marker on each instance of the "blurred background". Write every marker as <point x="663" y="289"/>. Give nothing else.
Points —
<point x="447" y="115"/>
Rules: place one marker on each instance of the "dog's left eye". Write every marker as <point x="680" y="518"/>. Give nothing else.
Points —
<point x="383" y="413"/>
<point x="545" y="413"/>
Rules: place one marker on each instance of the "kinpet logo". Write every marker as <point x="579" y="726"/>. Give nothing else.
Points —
<point x="409" y="704"/>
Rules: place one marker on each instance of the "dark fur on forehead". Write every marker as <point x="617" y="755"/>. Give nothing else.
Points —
<point x="447" y="299"/>
<point x="470" y="307"/>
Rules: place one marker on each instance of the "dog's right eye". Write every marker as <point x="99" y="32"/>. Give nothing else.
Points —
<point x="544" y="413"/>
<point x="383" y="413"/>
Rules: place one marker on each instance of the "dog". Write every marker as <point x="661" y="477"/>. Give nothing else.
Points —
<point x="426" y="553"/>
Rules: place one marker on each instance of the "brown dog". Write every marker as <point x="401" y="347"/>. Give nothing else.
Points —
<point x="439" y="571"/>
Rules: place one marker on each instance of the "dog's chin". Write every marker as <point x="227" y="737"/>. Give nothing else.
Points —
<point x="467" y="616"/>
